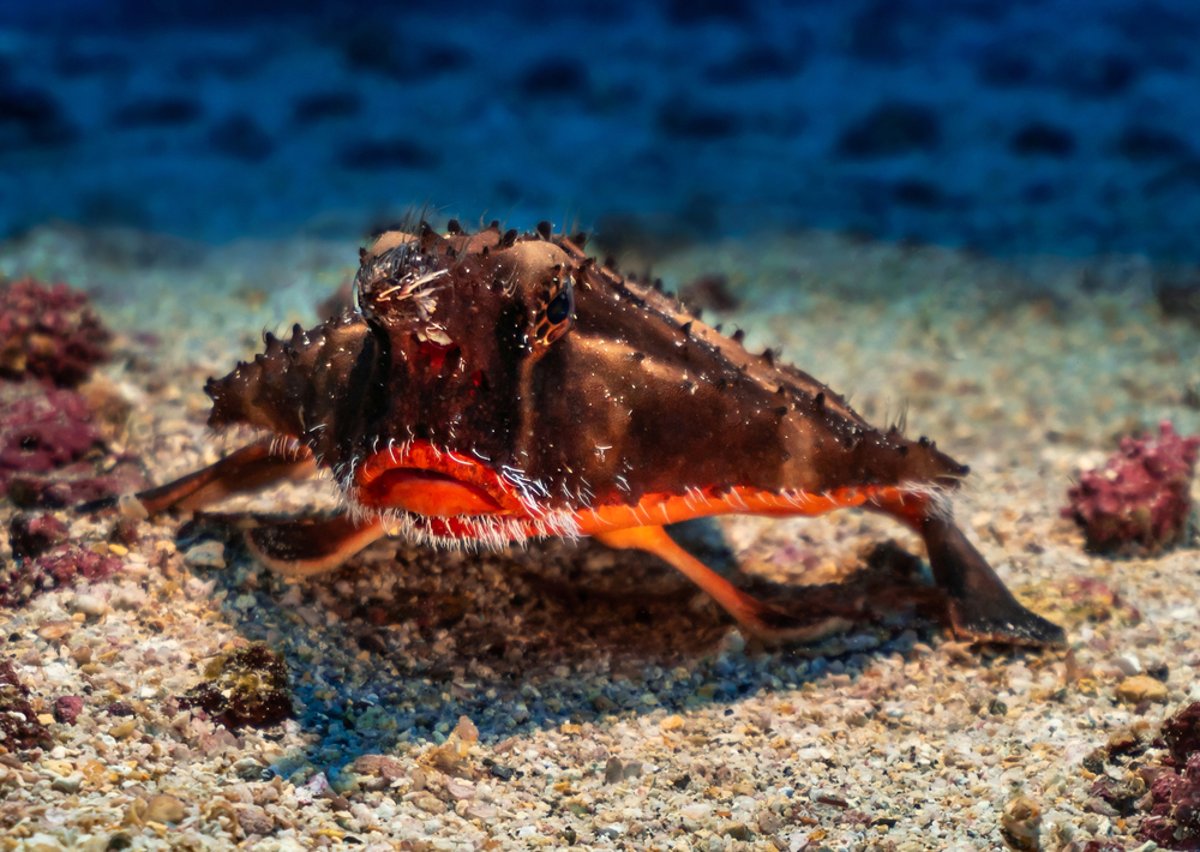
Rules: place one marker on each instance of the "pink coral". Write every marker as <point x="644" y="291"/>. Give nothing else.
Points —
<point x="49" y="332"/>
<point x="52" y="454"/>
<point x="1139" y="502"/>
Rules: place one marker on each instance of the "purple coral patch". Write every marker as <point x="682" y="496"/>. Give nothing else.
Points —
<point x="48" y="449"/>
<point x="42" y="429"/>
<point x="62" y="566"/>
<point x="1139" y="502"/>
<point x="1172" y="806"/>
<point x="1181" y="735"/>
<point x="49" y="332"/>
<point x="1174" y="821"/>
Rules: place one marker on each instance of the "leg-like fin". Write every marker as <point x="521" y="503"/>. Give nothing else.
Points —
<point x="311" y="545"/>
<point x="981" y="608"/>
<point x="252" y="467"/>
<point x="756" y="617"/>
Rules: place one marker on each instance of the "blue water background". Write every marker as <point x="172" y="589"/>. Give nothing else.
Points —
<point x="1008" y="127"/>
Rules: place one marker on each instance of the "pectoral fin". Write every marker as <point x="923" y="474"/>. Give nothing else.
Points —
<point x="756" y="617"/>
<point x="252" y="467"/>
<point x="980" y="607"/>
<point x="308" y="546"/>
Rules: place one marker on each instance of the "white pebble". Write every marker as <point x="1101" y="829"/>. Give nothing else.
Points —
<point x="1129" y="664"/>
<point x="132" y="508"/>
<point x="206" y="554"/>
<point x="68" y="783"/>
<point x="129" y="597"/>
<point x="90" y="605"/>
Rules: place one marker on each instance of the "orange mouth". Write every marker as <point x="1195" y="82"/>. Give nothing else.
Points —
<point x="424" y="480"/>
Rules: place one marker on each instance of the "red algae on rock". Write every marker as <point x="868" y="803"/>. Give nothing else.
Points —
<point x="20" y="729"/>
<point x="29" y="536"/>
<point x="1174" y="821"/>
<point x="248" y="686"/>
<point x="1181" y="735"/>
<point x="1139" y="502"/>
<point x="1172" y="805"/>
<point x="50" y="447"/>
<point x="49" y="332"/>
<point x="64" y="565"/>
<point x="41" y="430"/>
<point x="67" y="709"/>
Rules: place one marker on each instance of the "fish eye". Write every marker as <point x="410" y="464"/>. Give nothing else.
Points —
<point x="559" y="309"/>
<point x="555" y="314"/>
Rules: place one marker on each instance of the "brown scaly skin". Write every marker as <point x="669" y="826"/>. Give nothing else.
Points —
<point x="599" y="399"/>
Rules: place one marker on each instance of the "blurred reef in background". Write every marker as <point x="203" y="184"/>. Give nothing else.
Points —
<point x="1006" y="127"/>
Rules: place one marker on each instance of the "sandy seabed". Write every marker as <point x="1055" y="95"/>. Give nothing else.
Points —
<point x="564" y="694"/>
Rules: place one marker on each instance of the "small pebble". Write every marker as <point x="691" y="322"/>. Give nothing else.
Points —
<point x="739" y="831"/>
<point x="42" y="842"/>
<point x="481" y="810"/>
<point x="694" y="815"/>
<point x="248" y="769"/>
<point x="206" y="554"/>
<point x="253" y="820"/>
<point x="132" y="508"/>
<point x="1129" y="664"/>
<point x="90" y="605"/>
<point x="68" y="783"/>
<point x="1139" y="688"/>
<point x="56" y="630"/>
<point x="385" y="766"/>
<point x="1020" y="824"/>
<point x="504" y="773"/>
<point x="165" y="808"/>
<point x="430" y="804"/>
<point x="466" y="730"/>
<point x="129" y="598"/>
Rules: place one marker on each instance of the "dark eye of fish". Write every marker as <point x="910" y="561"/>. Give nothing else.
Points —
<point x="559" y="309"/>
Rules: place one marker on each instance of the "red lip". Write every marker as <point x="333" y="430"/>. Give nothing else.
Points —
<point x="426" y="492"/>
<point x="424" y="480"/>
